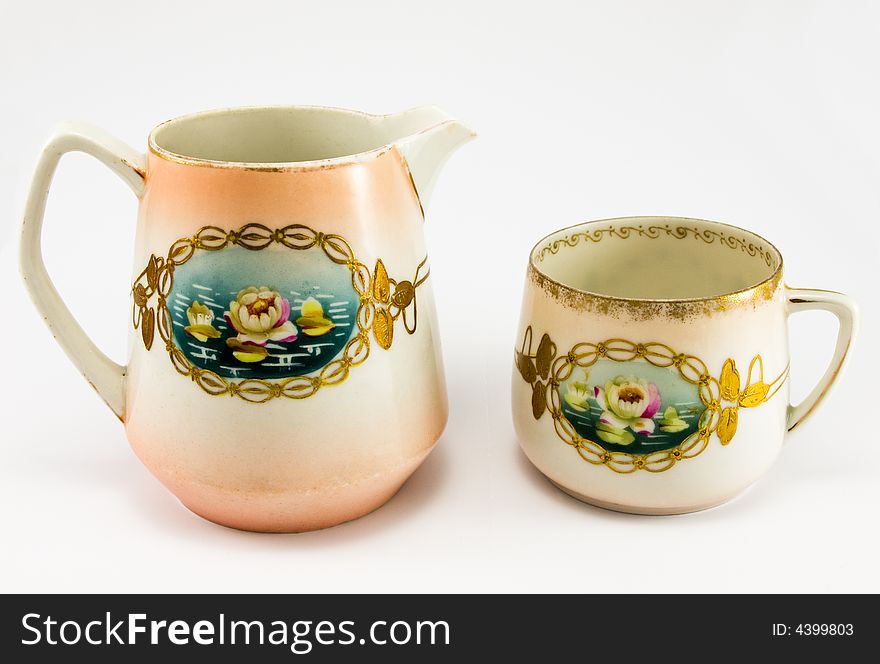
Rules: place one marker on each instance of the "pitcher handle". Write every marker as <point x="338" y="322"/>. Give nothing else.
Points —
<point x="842" y="306"/>
<point x="103" y="374"/>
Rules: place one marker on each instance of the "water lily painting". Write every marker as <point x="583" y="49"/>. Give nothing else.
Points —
<point x="631" y="406"/>
<point x="267" y="314"/>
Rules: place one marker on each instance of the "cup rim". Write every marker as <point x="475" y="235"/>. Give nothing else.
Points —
<point x="188" y="160"/>
<point x="767" y="285"/>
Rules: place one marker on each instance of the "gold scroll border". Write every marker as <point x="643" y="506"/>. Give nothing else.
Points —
<point x="382" y="301"/>
<point x="653" y="232"/>
<point x="545" y="372"/>
<point x="638" y="309"/>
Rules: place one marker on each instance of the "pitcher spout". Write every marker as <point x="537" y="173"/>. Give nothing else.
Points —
<point x="426" y="137"/>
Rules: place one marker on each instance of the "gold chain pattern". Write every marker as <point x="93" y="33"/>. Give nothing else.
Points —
<point x="722" y="398"/>
<point x="382" y="301"/>
<point x="653" y="232"/>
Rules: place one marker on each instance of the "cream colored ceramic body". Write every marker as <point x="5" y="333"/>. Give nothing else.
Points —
<point x="285" y="369"/>
<point x="655" y="312"/>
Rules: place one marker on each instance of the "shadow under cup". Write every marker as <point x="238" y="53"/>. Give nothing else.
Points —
<point x="652" y="362"/>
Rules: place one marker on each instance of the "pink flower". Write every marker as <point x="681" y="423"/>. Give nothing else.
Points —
<point x="626" y="402"/>
<point x="653" y="402"/>
<point x="260" y="315"/>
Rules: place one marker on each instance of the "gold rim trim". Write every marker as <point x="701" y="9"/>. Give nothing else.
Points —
<point x="383" y="301"/>
<point x="265" y="167"/>
<point x="269" y="167"/>
<point x="679" y="228"/>
<point x="722" y="398"/>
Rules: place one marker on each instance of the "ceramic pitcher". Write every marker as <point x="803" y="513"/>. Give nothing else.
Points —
<point x="284" y="370"/>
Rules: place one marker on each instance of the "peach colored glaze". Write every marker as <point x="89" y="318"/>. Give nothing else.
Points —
<point x="290" y="465"/>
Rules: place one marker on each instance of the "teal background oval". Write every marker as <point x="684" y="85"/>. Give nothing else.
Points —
<point x="674" y="391"/>
<point x="214" y="278"/>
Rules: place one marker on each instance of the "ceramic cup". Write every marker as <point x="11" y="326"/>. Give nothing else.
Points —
<point x="284" y="370"/>
<point x="651" y="374"/>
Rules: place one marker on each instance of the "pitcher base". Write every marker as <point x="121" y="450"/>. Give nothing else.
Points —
<point x="296" y="511"/>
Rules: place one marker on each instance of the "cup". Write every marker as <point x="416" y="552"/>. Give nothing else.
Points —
<point x="652" y="369"/>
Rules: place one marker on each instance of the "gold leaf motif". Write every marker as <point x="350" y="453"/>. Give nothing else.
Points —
<point x="727" y="425"/>
<point x="163" y="320"/>
<point x="381" y="287"/>
<point x="255" y="236"/>
<point x="140" y="295"/>
<point x="729" y="381"/>
<point x="164" y="288"/>
<point x="336" y="248"/>
<point x="404" y="292"/>
<point x="299" y="237"/>
<point x="147" y="327"/>
<point x="539" y="401"/>
<point x="212" y="238"/>
<point x="178" y="359"/>
<point x="153" y="273"/>
<point x="212" y="383"/>
<point x="383" y="328"/>
<point x="544" y="356"/>
<point x="180" y="252"/>
<point x="754" y="395"/>
<point x="526" y="367"/>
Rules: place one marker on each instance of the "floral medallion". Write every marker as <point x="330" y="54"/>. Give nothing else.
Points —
<point x="642" y="410"/>
<point x="638" y="406"/>
<point x="241" y="314"/>
<point x="266" y="315"/>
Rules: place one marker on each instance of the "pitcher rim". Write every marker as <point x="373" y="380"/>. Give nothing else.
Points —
<point x="281" y="166"/>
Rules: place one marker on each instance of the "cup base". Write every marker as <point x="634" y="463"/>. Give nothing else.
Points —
<point x="647" y="511"/>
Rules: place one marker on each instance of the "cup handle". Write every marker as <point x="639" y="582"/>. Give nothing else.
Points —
<point x="103" y="374"/>
<point x="842" y="306"/>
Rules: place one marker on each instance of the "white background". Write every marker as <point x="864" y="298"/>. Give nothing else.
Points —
<point x="761" y="114"/>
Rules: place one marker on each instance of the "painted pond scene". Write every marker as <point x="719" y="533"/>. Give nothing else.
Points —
<point x="632" y="406"/>
<point x="275" y="313"/>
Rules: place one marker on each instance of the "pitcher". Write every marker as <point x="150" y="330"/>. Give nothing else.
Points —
<point x="284" y="370"/>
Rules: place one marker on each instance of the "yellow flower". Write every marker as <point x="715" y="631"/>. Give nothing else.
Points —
<point x="200" y="318"/>
<point x="671" y="422"/>
<point x="578" y="394"/>
<point x="627" y="402"/>
<point x="312" y="321"/>
<point x="246" y="352"/>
